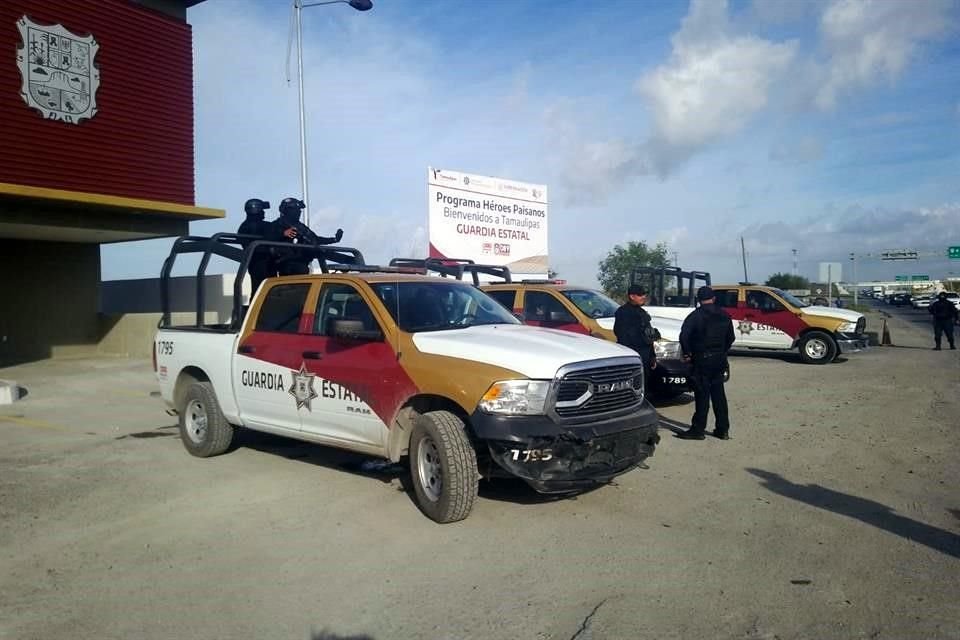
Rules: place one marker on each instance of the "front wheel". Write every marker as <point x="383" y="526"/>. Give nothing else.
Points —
<point x="443" y="467"/>
<point x="818" y="347"/>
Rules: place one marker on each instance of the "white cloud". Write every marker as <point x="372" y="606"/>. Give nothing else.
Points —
<point x="869" y="41"/>
<point x="714" y="82"/>
<point x="712" y="85"/>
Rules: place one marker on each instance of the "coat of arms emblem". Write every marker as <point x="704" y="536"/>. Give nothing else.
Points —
<point x="60" y="78"/>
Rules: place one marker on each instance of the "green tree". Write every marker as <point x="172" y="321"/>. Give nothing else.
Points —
<point x="787" y="281"/>
<point x="615" y="269"/>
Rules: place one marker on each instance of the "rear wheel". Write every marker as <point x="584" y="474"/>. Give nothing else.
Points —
<point x="203" y="429"/>
<point x="818" y="347"/>
<point x="443" y="467"/>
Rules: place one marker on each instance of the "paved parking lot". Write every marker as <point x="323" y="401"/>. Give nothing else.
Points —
<point x="834" y="512"/>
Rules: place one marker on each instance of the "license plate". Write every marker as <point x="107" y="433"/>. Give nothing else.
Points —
<point x="676" y="380"/>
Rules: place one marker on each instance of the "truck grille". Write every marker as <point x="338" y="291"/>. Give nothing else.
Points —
<point x="592" y="392"/>
<point x="861" y="325"/>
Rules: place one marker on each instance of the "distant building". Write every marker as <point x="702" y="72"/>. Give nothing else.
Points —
<point x="96" y="105"/>
<point x="830" y="271"/>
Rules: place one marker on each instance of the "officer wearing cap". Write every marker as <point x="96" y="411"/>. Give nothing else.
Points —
<point x="944" y="316"/>
<point x="261" y="264"/>
<point x="705" y="338"/>
<point x="632" y="326"/>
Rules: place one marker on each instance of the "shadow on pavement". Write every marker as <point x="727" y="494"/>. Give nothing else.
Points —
<point x="501" y="489"/>
<point x="674" y="401"/>
<point x="329" y="457"/>
<point x="867" y="511"/>
<point x="326" y="635"/>
<point x="673" y="425"/>
<point x="790" y="357"/>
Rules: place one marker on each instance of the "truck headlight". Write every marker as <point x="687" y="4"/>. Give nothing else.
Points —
<point x="516" y="397"/>
<point x="847" y="327"/>
<point x="665" y="349"/>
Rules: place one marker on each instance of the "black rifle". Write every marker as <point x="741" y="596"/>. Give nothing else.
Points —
<point x="308" y="236"/>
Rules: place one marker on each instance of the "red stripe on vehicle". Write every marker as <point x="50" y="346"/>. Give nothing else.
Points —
<point x="369" y="370"/>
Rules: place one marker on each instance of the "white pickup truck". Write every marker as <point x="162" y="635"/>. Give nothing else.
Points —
<point x="395" y="364"/>
<point x="763" y="317"/>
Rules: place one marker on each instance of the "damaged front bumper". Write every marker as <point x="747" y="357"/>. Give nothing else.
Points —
<point x="560" y="458"/>
<point x="851" y="343"/>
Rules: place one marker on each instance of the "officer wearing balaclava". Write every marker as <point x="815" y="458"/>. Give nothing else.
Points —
<point x="288" y="228"/>
<point x="261" y="262"/>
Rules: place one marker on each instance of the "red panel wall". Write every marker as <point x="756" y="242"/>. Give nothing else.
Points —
<point x="139" y="144"/>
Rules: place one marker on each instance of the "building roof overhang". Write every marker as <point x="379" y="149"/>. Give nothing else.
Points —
<point x="40" y="213"/>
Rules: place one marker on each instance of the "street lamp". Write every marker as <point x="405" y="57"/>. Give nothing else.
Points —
<point x="298" y="7"/>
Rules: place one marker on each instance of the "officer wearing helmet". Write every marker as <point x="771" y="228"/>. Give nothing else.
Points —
<point x="944" y="316"/>
<point x="288" y="228"/>
<point x="705" y="338"/>
<point x="261" y="264"/>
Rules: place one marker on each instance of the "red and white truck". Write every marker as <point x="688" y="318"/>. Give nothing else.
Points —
<point x="397" y="365"/>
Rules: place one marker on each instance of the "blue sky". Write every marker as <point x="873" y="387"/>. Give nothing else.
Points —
<point x="828" y="126"/>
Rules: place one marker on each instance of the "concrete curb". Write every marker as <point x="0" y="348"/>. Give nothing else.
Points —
<point x="9" y="392"/>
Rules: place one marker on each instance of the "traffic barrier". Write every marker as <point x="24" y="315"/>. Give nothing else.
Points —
<point x="885" y="335"/>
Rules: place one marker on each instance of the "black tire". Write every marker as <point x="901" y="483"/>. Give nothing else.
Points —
<point x="818" y="347"/>
<point x="203" y="429"/>
<point x="443" y="467"/>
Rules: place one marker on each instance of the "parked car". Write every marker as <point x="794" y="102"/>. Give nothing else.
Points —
<point x="921" y="301"/>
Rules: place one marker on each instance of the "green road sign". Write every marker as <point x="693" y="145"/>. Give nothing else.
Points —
<point x="953" y="253"/>
<point x="919" y="277"/>
<point x="901" y="278"/>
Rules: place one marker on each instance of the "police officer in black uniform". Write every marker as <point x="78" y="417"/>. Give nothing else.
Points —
<point x="261" y="262"/>
<point x="705" y="338"/>
<point x="288" y="228"/>
<point x="632" y="326"/>
<point x="944" y="316"/>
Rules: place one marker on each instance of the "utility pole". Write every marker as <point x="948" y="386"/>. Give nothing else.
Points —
<point x="743" y="253"/>
<point x="794" y="262"/>
<point x="856" y="285"/>
<point x="829" y="282"/>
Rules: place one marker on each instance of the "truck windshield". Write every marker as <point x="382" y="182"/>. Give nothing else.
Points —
<point x="790" y="298"/>
<point x="592" y="303"/>
<point x="438" y="306"/>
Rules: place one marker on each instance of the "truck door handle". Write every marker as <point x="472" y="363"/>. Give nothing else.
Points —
<point x="312" y="355"/>
<point x="245" y="348"/>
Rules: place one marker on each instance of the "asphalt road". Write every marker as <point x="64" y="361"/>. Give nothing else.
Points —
<point x="833" y="513"/>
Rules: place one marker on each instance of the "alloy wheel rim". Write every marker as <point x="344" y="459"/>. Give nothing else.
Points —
<point x="196" y="422"/>
<point x="429" y="469"/>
